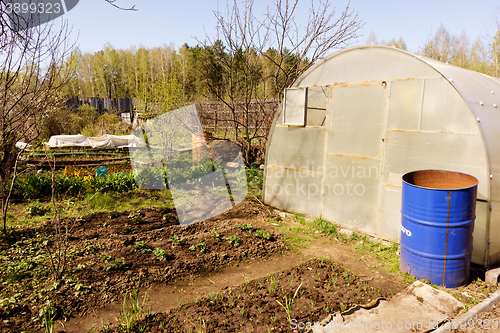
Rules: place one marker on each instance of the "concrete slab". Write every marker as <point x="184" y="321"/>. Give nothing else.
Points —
<point x="417" y="309"/>
<point x="437" y="298"/>
<point x="492" y="275"/>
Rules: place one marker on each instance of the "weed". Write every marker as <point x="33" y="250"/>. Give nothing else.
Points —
<point x="202" y="328"/>
<point x="273" y="284"/>
<point x="262" y="234"/>
<point x="116" y="265"/>
<point x="202" y="247"/>
<point x="213" y="296"/>
<point x="168" y="217"/>
<point x="287" y="305"/>
<point x="142" y="246"/>
<point x="162" y="211"/>
<point x="290" y="283"/>
<point x="129" y="230"/>
<point x="327" y="228"/>
<point x="36" y="209"/>
<point x="273" y="319"/>
<point x="128" y="315"/>
<point x="342" y="307"/>
<point x="105" y="327"/>
<point x="215" y="234"/>
<point x="179" y="301"/>
<point x="160" y="254"/>
<point x="347" y="277"/>
<point x="233" y="240"/>
<point x="106" y="258"/>
<point x="334" y="280"/>
<point x="113" y="215"/>
<point x="313" y="303"/>
<point x="81" y="219"/>
<point x="136" y="217"/>
<point x="48" y="312"/>
<point x="177" y="241"/>
<point x="245" y="226"/>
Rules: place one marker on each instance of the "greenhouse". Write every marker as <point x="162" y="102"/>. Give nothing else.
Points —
<point x="353" y="124"/>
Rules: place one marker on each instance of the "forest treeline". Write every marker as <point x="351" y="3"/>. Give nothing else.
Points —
<point x="169" y="77"/>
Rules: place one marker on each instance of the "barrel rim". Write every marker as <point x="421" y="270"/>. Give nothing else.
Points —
<point x="439" y="189"/>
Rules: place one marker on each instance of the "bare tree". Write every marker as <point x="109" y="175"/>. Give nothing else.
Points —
<point x="255" y="59"/>
<point x="113" y="3"/>
<point x="30" y="81"/>
<point x="441" y="47"/>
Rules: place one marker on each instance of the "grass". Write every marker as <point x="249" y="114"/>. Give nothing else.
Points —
<point x="101" y="202"/>
<point x="300" y="232"/>
<point x="128" y="315"/>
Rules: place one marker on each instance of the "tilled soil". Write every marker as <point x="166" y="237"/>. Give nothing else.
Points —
<point x="114" y="253"/>
<point x="280" y="302"/>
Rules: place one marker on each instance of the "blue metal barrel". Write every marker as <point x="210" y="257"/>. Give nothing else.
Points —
<point x="437" y="223"/>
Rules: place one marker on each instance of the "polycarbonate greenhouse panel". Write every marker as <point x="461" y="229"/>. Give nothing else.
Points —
<point x="390" y="212"/>
<point x="294" y="111"/>
<point x="293" y="190"/>
<point x="366" y="64"/>
<point x="351" y="191"/>
<point x="406" y="98"/>
<point x="357" y="117"/>
<point x="297" y="147"/>
<point x="445" y="111"/>
<point x="417" y="151"/>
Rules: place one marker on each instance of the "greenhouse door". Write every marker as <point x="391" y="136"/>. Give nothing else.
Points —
<point x="354" y="153"/>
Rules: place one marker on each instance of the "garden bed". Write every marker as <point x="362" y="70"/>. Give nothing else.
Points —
<point x="111" y="253"/>
<point x="279" y="302"/>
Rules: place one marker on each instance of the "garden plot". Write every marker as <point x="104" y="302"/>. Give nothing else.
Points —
<point x="111" y="253"/>
<point x="278" y="302"/>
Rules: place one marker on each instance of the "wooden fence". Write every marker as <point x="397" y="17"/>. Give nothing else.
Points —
<point x="256" y="115"/>
<point x="104" y="104"/>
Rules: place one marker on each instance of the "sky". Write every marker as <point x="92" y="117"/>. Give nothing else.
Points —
<point x="157" y="22"/>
